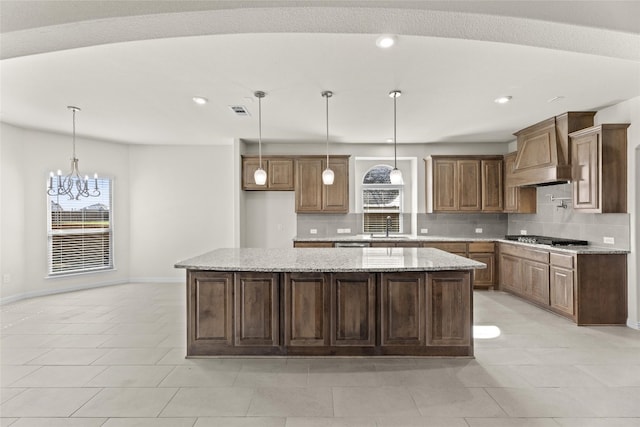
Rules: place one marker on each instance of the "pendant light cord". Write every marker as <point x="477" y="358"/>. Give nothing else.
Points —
<point x="327" y="109"/>
<point x="260" y="129"/>
<point x="395" y="153"/>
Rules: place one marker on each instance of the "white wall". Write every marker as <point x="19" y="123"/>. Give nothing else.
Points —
<point x="27" y="158"/>
<point x="182" y="205"/>
<point x="629" y="112"/>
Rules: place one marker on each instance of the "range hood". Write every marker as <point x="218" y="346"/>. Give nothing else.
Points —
<point x="544" y="156"/>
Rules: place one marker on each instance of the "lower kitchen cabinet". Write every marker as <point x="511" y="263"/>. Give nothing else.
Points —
<point x="483" y="252"/>
<point x="257" y="320"/>
<point x="306" y="311"/>
<point x="403" y="309"/>
<point x="590" y="289"/>
<point x="448" y="302"/>
<point x="353" y="309"/>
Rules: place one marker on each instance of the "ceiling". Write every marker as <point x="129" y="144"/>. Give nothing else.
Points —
<point x="133" y="67"/>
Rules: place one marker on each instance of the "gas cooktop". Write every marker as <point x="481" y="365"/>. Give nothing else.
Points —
<point x="545" y="240"/>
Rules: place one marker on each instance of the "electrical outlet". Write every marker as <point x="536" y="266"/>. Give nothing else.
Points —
<point x="478" y="230"/>
<point x="6" y="278"/>
<point x="424" y="230"/>
<point x="313" y="231"/>
<point x="280" y="227"/>
<point x="609" y="240"/>
<point x="343" y="230"/>
<point x="523" y="232"/>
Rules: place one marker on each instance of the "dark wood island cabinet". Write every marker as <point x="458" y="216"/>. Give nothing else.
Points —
<point x="325" y="302"/>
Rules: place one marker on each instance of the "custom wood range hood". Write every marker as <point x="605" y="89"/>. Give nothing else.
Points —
<point x="544" y="156"/>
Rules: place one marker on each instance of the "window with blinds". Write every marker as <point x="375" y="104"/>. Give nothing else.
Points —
<point x="381" y="201"/>
<point x="80" y="232"/>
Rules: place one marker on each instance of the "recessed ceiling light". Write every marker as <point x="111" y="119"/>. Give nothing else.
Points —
<point x="386" y="41"/>
<point x="502" y="99"/>
<point x="200" y="100"/>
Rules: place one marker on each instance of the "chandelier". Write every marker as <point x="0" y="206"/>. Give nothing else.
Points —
<point x="396" y="174"/>
<point x="260" y="175"/>
<point x="73" y="185"/>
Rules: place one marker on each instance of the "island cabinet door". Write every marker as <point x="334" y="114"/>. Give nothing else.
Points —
<point x="306" y="300"/>
<point x="353" y="304"/>
<point x="402" y="306"/>
<point x="256" y="319"/>
<point x="449" y="309"/>
<point x="210" y="308"/>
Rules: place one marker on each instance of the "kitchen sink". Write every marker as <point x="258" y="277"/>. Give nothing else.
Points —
<point x="384" y="236"/>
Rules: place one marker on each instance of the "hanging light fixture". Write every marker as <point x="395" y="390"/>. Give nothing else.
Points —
<point x="327" y="174"/>
<point x="395" y="175"/>
<point x="73" y="185"/>
<point x="260" y="175"/>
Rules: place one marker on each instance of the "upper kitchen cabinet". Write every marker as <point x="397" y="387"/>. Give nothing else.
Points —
<point x="464" y="184"/>
<point x="280" y="173"/>
<point x="599" y="161"/>
<point x="516" y="199"/>
<point x="544" y="153"/>
<point x="312" y="196"/>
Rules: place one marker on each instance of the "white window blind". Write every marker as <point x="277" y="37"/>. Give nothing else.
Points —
<point x="80" y="232"/>
<point x="380" y="200"/>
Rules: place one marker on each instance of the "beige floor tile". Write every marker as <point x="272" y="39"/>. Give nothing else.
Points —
<point x="291" y="402"/>
<point x="76" y="341"/>
<point x="47" y="402"/>
<point x="266" y="379"/>
<point x="343" y="374"/>
<point x="542" y="402"/>
<point x="556" y="376"/>
<point x="59" y="422"/>
<point x="126" y="402"/>
<point x="69" y="356"/>
<point x="476" y="375"/>
<point x="130" y="376"/>
<point x="6" y="422"/>
<point x="12" y="373"/>
<point x="20" y="356"/>
<point x="199" y="376"/>
<point x="413" y="375"/>
<point x="86" y="328"/>
<point x="131" y="356"/>
<point x="59" y="376"/>
<point x="609" y="402"/>
<point x="240" y="422"/>
<point x="511" y="422"/>
<point x="375" y="401"/>
<point x="9" y="393"/>
<point x="209" y="402"/>
<point x="20" y="341"/>
<point x="149" y="422"/>
<point x="614" y="375"/>
<point x="455" y="402"/>
<point x="133" y="341"/>
<point x="175" y="356"/>
<point x="598" y="422"/>
<point x="331" y="422"/>
<point x="421" y="422"/>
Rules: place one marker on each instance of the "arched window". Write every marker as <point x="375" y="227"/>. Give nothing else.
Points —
<point x="381" y="201"/>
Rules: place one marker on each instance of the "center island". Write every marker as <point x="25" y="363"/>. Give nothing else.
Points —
<point x="329" y="302"/>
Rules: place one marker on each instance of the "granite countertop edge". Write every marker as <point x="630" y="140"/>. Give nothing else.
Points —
<point x="585" y="250"/>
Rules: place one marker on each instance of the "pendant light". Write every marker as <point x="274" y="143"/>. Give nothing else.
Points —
<point x="327" y="174"/>
<point x="395" y="175"/>
<point x="73" y="185"/>
<point x="260" y="175"/>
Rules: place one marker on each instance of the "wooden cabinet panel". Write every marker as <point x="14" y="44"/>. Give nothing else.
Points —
<point x="535" y="280"/>
<point x="485" y="277"/>
<point x="210" y="298"/>
<point x="445" y="185"/>
<point x="599" y="160"/>
<point x="510" y="273"/>
<point x="313" y="244"/>
<point x="448" y="302"/>
<point x="256" y="309"/>
<point x="403" y="312"/>
<point x="517" y="199"/>
<point x="561" y="289"/>
<point x="470" y="185"/>
<point x="280" y="172"/>
<point x="312" y="196"/>
<point x="492" y="186"/>
<point x="335" y="197"/>
<point x="306" y="309"/>
<point x="458" y="248"/>
<point x="353" y="309"/>
<point x="537" y="146"/>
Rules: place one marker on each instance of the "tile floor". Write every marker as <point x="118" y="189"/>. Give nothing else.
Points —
<point x="114" y="357"/>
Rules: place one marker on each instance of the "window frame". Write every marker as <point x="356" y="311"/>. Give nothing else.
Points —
<point x="383" y="186"/>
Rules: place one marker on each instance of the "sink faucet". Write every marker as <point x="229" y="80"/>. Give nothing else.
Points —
<point x="387" y="226"/>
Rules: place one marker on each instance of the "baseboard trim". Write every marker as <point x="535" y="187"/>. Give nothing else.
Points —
<point x="157" y="280"/>
<point x="45" y="292"/>
<point x="633" y="325"/>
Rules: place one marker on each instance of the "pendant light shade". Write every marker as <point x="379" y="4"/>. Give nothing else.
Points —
<point x="260" y="175"/>
<point x="327" y="175"/>
<point x="396" y="175"/>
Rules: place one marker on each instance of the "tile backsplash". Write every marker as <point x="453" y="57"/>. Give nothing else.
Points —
<point x="553" y="220"/>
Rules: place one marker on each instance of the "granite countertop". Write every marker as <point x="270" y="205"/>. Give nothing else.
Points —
<point x="572" y="249"/>
<point x="330" y="260"/>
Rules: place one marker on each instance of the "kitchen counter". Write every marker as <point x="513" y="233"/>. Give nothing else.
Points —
<point x="330" y="302"/>
<point x="578" y="249"/>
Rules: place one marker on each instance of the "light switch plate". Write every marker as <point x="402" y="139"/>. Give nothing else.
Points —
<point x="313" y="231"/>
<point x="424" y="230"/>
<point x="478" y="230"/>
<point x="523" y="232"/>
<point x="609" y="240"/>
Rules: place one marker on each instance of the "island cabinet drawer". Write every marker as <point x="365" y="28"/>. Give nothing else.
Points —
<point x="453" y="247"/>
<point x="522" y="252"/>
<point x="561" y="260"/>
